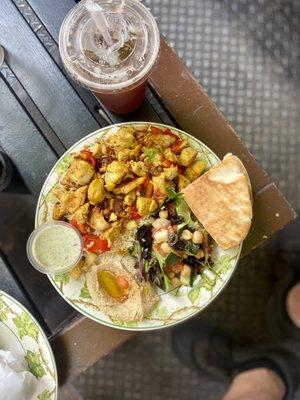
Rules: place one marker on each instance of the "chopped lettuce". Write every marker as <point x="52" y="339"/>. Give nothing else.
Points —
<point x="151" y="153"/>
<point x="193" y="294"/>
<point x="222" y="264"/>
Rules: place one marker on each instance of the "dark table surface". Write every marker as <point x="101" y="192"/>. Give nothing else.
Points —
<point x="42" y="113"/>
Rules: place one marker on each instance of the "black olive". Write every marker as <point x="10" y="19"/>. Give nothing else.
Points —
<point x="173" y="240"/>
<point x="146" y="253"/>
<point x="179" y="245"/>
<point x="176" y="220"/>
<point x="144" y="236"/>
<point x="192" y="261"/>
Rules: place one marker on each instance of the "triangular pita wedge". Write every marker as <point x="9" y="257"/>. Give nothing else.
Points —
<point x="221" y="199"/>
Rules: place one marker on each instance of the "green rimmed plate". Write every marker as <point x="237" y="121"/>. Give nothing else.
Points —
<point x="175" y="306"/>
<point x="21" y="334"/>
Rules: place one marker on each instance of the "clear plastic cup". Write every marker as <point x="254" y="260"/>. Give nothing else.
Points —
<point x="116" y="73"/>
<point x="54" y="247"/>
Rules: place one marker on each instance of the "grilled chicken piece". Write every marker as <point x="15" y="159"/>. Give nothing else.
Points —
<point x="114" y="174"/>
<point x="80" y="173"/>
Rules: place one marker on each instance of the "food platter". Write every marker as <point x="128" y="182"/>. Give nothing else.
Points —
<point x="175" y="305"/>
<point x="22" y="335"/>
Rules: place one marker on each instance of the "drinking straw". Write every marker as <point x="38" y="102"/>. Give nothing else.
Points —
<point x="100" y="21"/>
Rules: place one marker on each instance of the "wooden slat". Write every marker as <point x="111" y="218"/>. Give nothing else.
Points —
<point x="9" y="283"/>
<point x="21" y="140"/>
<point x="32" y="110"/>
<point x="82" y="344"/>
<point x="42" y="79"/>
<point x="271" y="212"/>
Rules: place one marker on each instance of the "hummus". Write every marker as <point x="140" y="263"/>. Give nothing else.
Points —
<point x="140" y="297"/>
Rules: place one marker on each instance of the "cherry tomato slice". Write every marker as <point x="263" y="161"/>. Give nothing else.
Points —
<point x="88" y="156"/>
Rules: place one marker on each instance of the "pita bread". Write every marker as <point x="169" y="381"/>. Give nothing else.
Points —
<point x="221" y="199"/>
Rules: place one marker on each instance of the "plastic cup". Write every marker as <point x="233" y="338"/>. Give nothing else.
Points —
<point x="48" y="241"/>
<point x="116" y="74"/>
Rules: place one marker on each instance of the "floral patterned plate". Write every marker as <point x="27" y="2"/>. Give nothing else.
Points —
<point x="21" y="334"/>
<point x="174" y="306"/>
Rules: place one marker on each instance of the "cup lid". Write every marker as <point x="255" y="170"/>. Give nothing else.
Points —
<point x="134" y="49"/>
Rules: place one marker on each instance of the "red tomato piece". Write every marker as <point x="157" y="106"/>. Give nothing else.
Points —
<point x="80" y="227"/>
<point x="88" y="156"/>
<point x="93" y="244"/>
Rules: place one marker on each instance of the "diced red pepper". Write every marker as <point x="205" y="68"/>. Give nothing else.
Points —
<point x="88" y="156"/>
<point x="176" y="267"/>
<point x="80" y="227"/>
<point x="158" y="131"/>
<point x="149" y="190"/>
<point x="94" y="244"/>
<point x="170" y="133"/>
<point x="166" y="163"/>
<point x="178" y="146"/>
<point x="134" y="213"/>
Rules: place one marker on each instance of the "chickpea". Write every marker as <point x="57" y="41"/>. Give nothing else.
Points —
<point x="161" y="236"/>
<point x="161" y="223"/>
<point x="200" y="254"/>
<point x="197" y="237"/>
<point x="113" y="217"/>
<point x="131" y="225"/>
<point x="186" y="235"/>
<point x="175" y="282"/>
<point x="165" y="248"/>
<point x="186" y="271"/>
<point x="163" y="214"/>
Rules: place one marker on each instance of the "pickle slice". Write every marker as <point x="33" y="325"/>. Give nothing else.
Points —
<point x="115" y="286"/>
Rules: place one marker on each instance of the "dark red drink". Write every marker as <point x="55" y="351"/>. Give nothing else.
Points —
<point x="115" y="63"/>
<point x="124" y="101"/>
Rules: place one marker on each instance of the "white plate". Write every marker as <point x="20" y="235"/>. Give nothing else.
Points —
<point x="174" y="307"/>
<point x="21" y="334"/>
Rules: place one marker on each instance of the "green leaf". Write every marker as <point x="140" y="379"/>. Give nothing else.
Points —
<point x="194" y="294"/>
<point x="173" y="195"/>
<point x="222" y="264"/>
<point x="172" y="259"/>
<point x="182" y="208"/>
<point x="45" y="395"/>
<point x="62" y="279"/>
<point x="4" y="311"/>
<point x="151" y="153"/>
<point x="167" y="282"/>
<point x="34" y="364"/>
<point x="25" y="326"/>
<point x="84" y="293"/>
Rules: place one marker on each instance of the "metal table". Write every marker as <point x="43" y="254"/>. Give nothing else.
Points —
<point x="42" y="113"/>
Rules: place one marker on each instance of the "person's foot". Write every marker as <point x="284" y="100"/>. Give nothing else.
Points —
<point x="283" y="311"/>
<point x="210" y="350"/>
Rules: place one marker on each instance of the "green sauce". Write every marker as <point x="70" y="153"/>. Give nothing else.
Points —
<point x="57" y="247"/>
